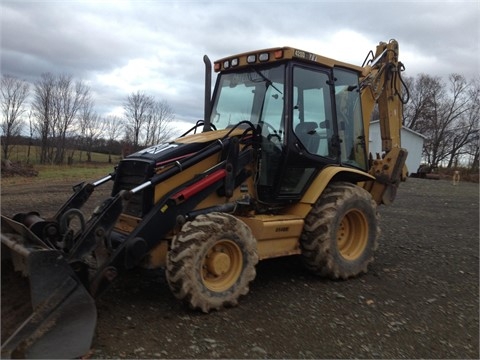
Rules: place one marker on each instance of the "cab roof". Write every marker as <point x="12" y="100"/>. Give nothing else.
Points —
<point x="272" y="55"/>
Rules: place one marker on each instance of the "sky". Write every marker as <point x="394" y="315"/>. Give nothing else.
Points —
<point x="157" y="47"/>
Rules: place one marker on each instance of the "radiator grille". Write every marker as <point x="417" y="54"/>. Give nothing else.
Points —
<point x="130" y="174"/>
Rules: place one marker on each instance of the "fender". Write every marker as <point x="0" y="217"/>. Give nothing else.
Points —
<point x="317" y="187"/>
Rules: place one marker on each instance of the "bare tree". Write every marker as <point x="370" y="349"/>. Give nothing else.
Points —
<point x="158" y="127"/>
<point x="418" y="109"/>
<point x="93" y="128"/>
<point x="56" y="104"/>
<point x="14" y="93"/>
<point x="137" y="109"/>
<point x="42" y="106"/>
<point x="447" y="114"/>
<point x="473" y="150"/>
<point x="31" y="133"/>
<point x="113" y="127"/>
<point x="69" y="99"/>
<point x="466" y="128"/>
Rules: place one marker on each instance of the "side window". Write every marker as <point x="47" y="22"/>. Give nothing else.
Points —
<point x="349" y="117"/>
<point x="312" y="115"/>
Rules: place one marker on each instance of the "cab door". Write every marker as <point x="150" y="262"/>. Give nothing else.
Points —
<point x="311" y="131"/>
<point x="323" y="126"/>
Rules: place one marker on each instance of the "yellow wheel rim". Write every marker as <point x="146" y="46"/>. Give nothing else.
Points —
<point x="222" y="265"/>
<point x="352" y="235"/>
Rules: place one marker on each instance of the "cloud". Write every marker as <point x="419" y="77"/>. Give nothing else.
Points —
<point x="119" y="47"/>
<point x="68" y="37"/>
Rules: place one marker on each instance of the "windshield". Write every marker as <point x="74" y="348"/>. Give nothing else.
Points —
<point x="254" y="95"/>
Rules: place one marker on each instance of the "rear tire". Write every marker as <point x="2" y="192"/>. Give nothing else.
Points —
<point x="212" y="261"/>
<point x="340" y="233"/>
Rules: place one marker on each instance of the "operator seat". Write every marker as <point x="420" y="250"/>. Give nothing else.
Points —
<point x="308" y="136"/>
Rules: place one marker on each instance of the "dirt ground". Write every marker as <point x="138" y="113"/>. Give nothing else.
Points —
<point x="420" y="298"/>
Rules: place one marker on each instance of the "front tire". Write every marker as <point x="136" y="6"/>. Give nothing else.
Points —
<point x="211" y="262"/>
<point x="341" y="232"/>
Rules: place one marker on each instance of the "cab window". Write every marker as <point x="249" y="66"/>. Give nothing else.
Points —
<point x="349" y="117"/>
<point x="312" y="115"/>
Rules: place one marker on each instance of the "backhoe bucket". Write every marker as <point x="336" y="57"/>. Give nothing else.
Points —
<point x="64" y="315"/>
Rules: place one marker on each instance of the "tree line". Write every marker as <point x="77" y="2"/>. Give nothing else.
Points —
<point x="447" y="113"/>
<point x="59" y="113"/>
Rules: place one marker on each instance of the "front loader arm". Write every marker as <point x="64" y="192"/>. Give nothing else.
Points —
<point x="65" y="279"/>
<point x="177" y="206"/>
<point x="80" y="196"/>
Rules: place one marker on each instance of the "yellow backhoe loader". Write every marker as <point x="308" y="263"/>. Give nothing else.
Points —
<point x="279" y="166"/>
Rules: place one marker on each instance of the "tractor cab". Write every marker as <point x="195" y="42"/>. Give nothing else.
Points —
<point x="308" y="114"/>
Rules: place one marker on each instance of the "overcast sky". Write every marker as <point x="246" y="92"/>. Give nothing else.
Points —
<point x="120" y="47"/>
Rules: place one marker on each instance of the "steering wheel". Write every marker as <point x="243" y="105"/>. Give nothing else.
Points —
<point x="273" y="134"/>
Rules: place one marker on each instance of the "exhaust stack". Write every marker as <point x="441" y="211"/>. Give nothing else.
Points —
<point x="208" y="93"/>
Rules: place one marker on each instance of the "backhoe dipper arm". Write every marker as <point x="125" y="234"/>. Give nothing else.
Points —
<point x="381" y="84"/>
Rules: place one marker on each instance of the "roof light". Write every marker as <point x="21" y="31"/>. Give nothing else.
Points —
<point x="226" y="64"/>
<point x="278" y="54"/>
<point x="235" y="62"/>
<point x="263" y="57"/>
<point x="217" y="66"/>
<point x="251" y="58"/>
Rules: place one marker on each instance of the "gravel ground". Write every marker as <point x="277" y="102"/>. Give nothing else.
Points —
<point x="420" y="298"/>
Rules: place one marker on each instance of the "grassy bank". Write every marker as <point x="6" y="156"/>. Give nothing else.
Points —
<point x="63" y="173"/>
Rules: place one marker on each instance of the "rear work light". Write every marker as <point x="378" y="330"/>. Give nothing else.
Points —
<point x="263" y="57"/>
<point x="251" y="59"/>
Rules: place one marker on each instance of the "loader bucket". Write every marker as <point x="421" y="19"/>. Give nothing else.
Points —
<point x="64" y="315"/>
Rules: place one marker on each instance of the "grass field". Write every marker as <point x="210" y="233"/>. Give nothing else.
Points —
<point x="79" y="171"/>
<point x="55" y="173"/>
<point x="20" y="153"/>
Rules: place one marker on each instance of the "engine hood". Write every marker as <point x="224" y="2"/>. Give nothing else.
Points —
<point x="179" y="148"/>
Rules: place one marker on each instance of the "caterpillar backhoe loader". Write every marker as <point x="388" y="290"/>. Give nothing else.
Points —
<point x="279" y="166"/>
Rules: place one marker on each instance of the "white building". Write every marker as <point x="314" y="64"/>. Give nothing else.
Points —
<point x="411" y="140"/>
